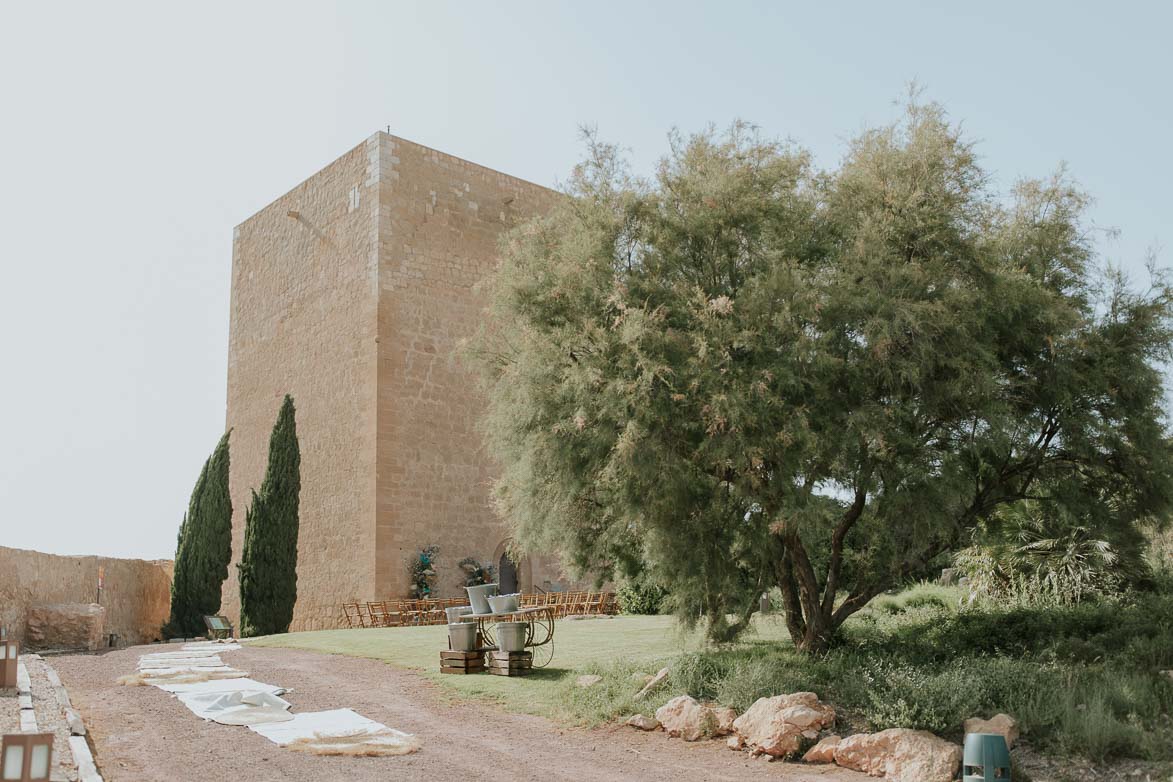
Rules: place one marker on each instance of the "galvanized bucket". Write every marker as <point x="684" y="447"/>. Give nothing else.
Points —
<point x="478" y="596"/>
<point x="511" y="636"/>
<point x="462" y="636"/>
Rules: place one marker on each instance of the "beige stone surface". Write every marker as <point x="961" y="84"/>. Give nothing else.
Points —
<point x="779" y="726"/>
<point x="687" y="718"/>
<point x="1000" y="724"/>
<point x="353" y="293"/>
<point x="73" y="626"/>
<point x="824" y="751"/>
<point x="900" y="755"/>
<point x="136" y="593"/>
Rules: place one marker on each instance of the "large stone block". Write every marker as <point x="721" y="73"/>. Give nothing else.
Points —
<point x="79" y="626"/>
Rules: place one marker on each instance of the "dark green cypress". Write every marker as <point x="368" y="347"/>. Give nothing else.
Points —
<point x="203" y="549"/>
<point x="268" y="563"/>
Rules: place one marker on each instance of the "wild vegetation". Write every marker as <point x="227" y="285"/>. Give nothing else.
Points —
<point x="203" y="549"/>
<point x="268" y="563"/>
<point x="747" y="373"/>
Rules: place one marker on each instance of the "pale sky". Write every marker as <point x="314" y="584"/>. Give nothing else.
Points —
<point x="133" y="137"/>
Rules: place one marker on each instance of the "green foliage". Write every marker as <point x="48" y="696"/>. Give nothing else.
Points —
<point x="421" y="570"/>
<point x="640" y="595"/>
<point x="476" y="573"/>
<point x="268" y="563"/>
<point x="1039" y="554"/>
<point x="748" y="373"/>
<point x="203" y="549"/>
<point x="1082" y="680"/>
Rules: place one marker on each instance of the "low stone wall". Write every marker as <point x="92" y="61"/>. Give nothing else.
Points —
<point x="136" y="593"/>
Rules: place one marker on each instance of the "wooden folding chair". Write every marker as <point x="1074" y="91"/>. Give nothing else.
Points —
<point x="353" y="614"/>
<point x="610" y="603"/>
<point x="594" y="604"/>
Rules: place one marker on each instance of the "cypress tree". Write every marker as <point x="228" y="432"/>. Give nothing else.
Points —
<point x="268" y="563"/>
<point x="203" y="549"/>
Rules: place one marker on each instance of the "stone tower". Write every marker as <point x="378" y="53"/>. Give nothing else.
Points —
<point x="351" y="293"/>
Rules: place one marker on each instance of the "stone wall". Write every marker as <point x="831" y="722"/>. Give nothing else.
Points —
<point x="440" y="219"/>
<point x="352" y="293"/>
<point x="136" y="593"/>
<point x="303" y="323"/>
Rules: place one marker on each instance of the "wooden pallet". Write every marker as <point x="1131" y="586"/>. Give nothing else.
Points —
<point x="510" y="663"/>
<point x="462" y="662"/>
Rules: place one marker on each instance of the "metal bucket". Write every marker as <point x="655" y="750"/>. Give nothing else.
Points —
<point x="455" y="613"/>
<point x="511" y="636"/>
<point x="503" y="604"/>
<point x="478" y="597"/>
<point x="462" y="636"/>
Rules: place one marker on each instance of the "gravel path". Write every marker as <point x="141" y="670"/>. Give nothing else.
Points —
<point x="143" y="734"/>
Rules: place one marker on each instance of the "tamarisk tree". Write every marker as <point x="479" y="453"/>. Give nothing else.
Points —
<point x="268" y="563"/>
<point x="747" y="373"/>
<point x="203" y="549"/>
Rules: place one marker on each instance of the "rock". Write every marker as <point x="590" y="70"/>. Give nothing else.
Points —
<point x="642" y="722"/>
<point x="725" y="718"/>
<point x="777" y="726"/>
<point x="688" y="718"/>
<point x="735" y="742"/>
<point x="823" y="752"/>
<point x="900" y="755"/>
<point x="660" y="677"/>
<point x="1001" y="724"/>
<point x="588" y="680"/>
<point x="66" y="626"/>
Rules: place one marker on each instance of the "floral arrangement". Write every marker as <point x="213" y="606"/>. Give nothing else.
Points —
<point x="423" y="571"/>
<point x="476" y="573"/>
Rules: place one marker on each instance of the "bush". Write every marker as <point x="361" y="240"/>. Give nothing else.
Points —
<point x="641" y="596"/>
<point x="1082" y="680"/>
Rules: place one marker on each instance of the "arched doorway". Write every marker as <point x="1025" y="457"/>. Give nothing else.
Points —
<point x="512" y="575"/>
<point x="507" y="575"/>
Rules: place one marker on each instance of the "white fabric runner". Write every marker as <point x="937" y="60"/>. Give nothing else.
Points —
<point x="238" y="707"/>
<point x="328" y="724"/>
<point x="256" y="705"/>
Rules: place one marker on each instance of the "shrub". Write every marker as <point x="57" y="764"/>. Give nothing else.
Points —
<point x="268" y="563"/>
<point x="203" y="550"/>
<point x="641" y="595"/>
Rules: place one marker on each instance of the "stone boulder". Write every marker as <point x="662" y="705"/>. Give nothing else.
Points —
<point x="1000" y="724"/>
<point x="642" y="722"/>
<point x="75" y="626"/>
<point x="654" y="682"/>
<point x="900" y="755"/>
<point x="689" y="719"/>
<point x="778" y="726"/>
<point x="823" y="752"/>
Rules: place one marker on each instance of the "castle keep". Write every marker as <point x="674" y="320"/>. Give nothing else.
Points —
<point x="351" y="293"/>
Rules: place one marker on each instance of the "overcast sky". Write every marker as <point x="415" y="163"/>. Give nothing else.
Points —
<point x="134" y="137"/>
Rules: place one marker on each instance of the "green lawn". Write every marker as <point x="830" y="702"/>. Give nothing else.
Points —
<point x="636" y="643"/>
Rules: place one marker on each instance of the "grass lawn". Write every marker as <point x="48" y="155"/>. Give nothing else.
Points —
<point x="641" y="643"/>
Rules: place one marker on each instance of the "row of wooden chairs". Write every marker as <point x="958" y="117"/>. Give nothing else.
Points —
<point x="430" y="611"/>
<point x="574" y="603"/>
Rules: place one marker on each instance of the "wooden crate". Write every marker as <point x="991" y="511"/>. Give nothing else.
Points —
<point x="510" y="663"/>
<point x="462" y="662"/>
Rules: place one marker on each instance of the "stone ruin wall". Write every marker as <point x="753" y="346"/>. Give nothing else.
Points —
<point x="136" y="594"/>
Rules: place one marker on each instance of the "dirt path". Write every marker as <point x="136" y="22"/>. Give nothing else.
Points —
<point x="143" y="734"/>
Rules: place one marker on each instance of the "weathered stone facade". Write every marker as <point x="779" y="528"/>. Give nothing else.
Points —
<point x="352" y="293"/>
<point x="135" y="598"/>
